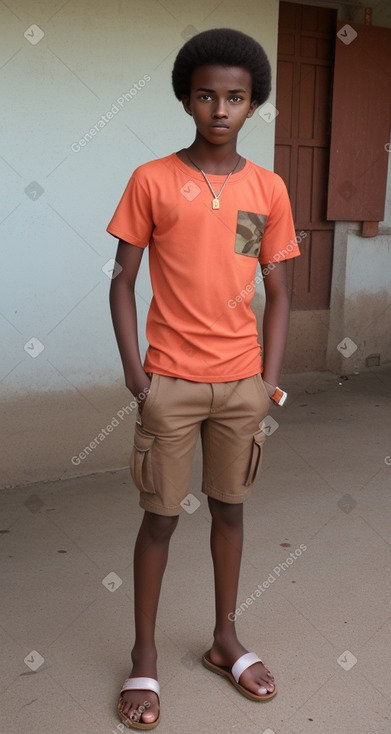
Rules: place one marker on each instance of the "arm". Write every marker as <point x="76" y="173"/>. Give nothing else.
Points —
<point x="124" y="316"/>
<point x="275" y="322"/>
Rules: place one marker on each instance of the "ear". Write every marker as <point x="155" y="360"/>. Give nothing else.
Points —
<point x="253" y="107"/>
<point x="186" y="105"/>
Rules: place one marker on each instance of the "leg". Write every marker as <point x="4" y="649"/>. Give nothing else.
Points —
<point x="226" y="547"/>
<point x="150" y="559"/>
<point x="170" y="426"/>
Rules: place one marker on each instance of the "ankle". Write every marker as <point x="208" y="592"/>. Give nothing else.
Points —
<point x="224" y="635"/>
<point x="144" y="653"/>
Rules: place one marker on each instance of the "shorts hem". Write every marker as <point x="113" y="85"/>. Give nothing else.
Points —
<point x="231" y="499"/>
<point x="159" y="509"/>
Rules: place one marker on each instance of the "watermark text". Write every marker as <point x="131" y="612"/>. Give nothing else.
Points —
<point x="272" y="577"/>
<point x="104" y="432"/>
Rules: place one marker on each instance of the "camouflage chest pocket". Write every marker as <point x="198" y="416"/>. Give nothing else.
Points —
<point x="249" y="232"/>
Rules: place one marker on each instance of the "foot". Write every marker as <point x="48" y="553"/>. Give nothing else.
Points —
<point x="141" y="706"/>
<point x="257" y="678"/>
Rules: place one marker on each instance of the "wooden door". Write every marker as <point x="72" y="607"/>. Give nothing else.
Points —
<point x="306" y="42"/>
<point x="361" y="125"/>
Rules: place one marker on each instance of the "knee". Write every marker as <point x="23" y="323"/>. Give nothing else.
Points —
<point x="160" y="528"/>
<point x="226" y="514"/>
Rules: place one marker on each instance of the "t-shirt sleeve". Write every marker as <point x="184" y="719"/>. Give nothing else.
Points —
<point x="279" y="238"/>
<point x="132" y="220"/>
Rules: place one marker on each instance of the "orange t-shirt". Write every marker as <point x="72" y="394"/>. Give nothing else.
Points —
<point x="203" y="263"/>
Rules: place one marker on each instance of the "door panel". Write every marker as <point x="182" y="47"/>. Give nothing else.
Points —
<point x="361" y="125"/>
<point x="304" y="87"/>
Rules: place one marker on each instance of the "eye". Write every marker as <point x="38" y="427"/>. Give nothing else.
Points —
<point x="235" y="98"/>
<point x="205" y="97"/>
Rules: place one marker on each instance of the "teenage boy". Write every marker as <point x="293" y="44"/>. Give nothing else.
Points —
<point x="209" y="216"/>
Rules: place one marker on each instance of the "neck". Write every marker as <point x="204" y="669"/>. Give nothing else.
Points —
<point x="217" y="159"/>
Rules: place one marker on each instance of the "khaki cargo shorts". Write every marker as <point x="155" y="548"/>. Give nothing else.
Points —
<point x="176" y="412"/>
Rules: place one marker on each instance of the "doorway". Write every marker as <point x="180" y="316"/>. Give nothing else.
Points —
<point x="306" y="39"/>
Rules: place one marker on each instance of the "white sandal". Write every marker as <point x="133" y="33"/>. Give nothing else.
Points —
<point x="139" y="684"/>
<point x="233" y="674"/>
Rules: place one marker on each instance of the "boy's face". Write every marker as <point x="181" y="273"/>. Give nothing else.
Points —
<point x="220" y="101"/>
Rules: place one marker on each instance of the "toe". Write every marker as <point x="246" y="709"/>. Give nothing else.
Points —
<point x="266" y="679"/>
<point x="269" y="688"/>
<point x="148" y="717"/>
<point x="126" y="706"/>
<point x="144" y="711"/>
<point x="266" y="685"/>
<point x="257" y="680"/>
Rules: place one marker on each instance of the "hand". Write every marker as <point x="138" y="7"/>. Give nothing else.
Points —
<point x="141" y="391"/>
<point x="270" y="389"/>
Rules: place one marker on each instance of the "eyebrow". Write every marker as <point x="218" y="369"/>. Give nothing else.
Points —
<point x="230" y="91"/>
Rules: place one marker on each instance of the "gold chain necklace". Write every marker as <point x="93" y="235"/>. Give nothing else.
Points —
<point x="215" y="200"/>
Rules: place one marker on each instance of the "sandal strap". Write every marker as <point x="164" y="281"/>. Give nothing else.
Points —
<point x="244" y="662"/>
<point x="141" y="684"/>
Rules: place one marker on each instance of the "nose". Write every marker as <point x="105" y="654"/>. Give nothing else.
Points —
<point x="220" y="110"/>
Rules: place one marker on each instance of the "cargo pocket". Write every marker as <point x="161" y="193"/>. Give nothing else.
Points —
<point x="141" y="461"/>
<point x="256" y="458"/>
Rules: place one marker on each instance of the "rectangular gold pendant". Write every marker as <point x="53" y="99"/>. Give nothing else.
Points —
<point x="215" y="204"/>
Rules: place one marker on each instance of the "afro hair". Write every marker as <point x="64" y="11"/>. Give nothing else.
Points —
<point x="226" y="47"/>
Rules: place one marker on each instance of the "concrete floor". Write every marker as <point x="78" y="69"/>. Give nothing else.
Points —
<point x="322" y="626"/>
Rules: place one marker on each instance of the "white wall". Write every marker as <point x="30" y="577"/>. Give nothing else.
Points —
<point x="361" y="295"/>
<point x="54" y="295"/>
<point x="54" y="246"/>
